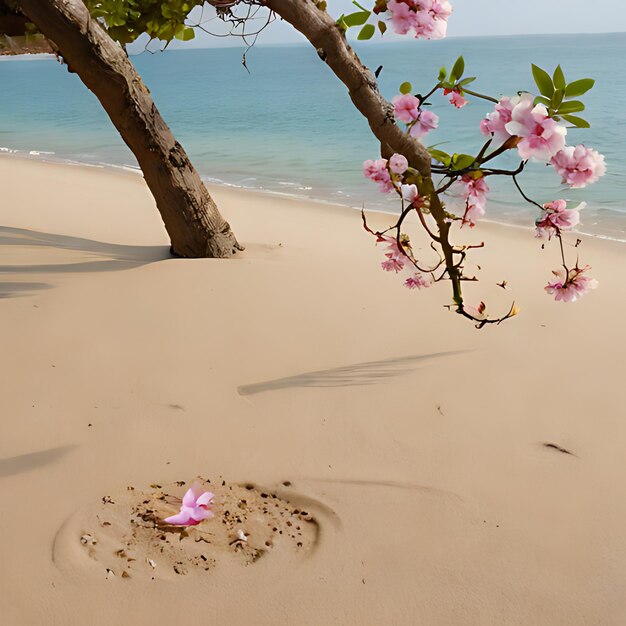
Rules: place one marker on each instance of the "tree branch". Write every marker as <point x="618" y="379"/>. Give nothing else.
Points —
<point x="332" y="47"/>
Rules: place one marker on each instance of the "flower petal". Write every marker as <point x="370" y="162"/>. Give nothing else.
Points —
<point x="180" y="519"/>
<point x="189" y="499"/>
<point x="205" y="498"/>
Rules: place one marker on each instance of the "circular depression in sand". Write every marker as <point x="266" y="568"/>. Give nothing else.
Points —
<point x="123" y="536"/>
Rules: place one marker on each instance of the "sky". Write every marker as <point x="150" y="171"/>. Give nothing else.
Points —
<point x="470" y="18"/>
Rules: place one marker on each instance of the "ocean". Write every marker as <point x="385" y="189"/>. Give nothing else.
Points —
<point x="287" y="126"/>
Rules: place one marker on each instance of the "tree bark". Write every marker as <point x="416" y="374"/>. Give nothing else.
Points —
<point x="332" y="47"/>
<point x="190" y="215"/>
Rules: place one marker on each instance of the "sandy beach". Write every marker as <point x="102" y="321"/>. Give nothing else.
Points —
<point x="387" y="462"/>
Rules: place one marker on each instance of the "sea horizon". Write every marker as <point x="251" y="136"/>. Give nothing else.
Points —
<point x="263" y="131"/>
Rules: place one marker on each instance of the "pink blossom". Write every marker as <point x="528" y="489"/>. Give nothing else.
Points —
<point x="541" y="137"/>
<point x="393" y="263"/>
<point x="377" y="171"/>
<point x="426" y="121"/>
<point x="579" y="166"/>
<point x="456" y="98"/>
<point x="495" y="123"/>
<point x="406" y="108"/>
<point x="431" y="19"/>
<point x="427" y="18"/>
<point x="398" y="164"/>
<point x="474" y="192"/>
<point x="193" y="509"/>
<point x="396" y="259"/>
<point x="409" y="193"/>
<point x="418" y="281"/>
<point x="556" y="216"/>
<point x="403" y="18"/>
<point x="478" y="313"/>
<point x="441" y="9"/>
<point x="573" y="287"/>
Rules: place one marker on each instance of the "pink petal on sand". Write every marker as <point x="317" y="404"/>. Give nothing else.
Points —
<point x="205" y="498"/>
<point x="189" y="499"/>
<point x="180" y="519"/>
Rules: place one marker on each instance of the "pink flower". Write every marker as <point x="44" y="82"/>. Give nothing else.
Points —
<point x="579" y="166"/>
<point x="495" y="123"/>
<point x="396" y="259"/>
<point x="193" y="509"/>
<point x="398" y="164"/>
<point x="441" y="9"/>
<point x="409" y="193"/>
<point x="541" y="136"/>
<point x="428" y="18"/>
<point x="431" y="20"/>
<point x="393" y="263"/>
<point x="474" y="191"/>
<point x="426" y="121"/>
<point x="377" y="171"/>
<point x="573" y="287"/>
<point x="456" y="98"/>
<point x="402" y="17"/>
<point x="478" y="313"/>
<point x="418" y="281"/>
<point x="406" y="108"/>
<point x="557" y="216"/>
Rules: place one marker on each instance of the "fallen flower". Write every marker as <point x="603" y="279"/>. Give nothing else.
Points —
<point x="193" y="509"/>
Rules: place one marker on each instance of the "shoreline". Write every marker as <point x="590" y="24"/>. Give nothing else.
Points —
<point x="45" y="157"/>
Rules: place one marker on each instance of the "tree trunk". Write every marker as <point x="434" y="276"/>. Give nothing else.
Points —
<point x="194" y="224"/>
<point x="332" y="47"/>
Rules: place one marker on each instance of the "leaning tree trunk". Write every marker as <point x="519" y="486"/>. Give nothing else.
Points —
<point x="194" y="224"/>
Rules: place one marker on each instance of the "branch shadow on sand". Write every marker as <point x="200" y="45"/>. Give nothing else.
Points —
<point x="26" y="462"/>
<point x="368" y="373"/>
<point x="99" y="257"/>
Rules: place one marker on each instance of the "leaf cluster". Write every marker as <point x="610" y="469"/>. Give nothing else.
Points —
<point x="126" y="20"/>
<point x="559" y="96"/>
<point x="454" y="80"/>
<point x="360" y="18"/>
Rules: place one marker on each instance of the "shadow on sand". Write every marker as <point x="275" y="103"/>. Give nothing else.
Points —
<point x="26" y="462"/>
<point x="109" y="257"/>
<point x="369" y="373"/>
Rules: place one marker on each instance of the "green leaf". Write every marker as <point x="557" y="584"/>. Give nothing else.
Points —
<point x="441" y="156"/>
<point x="543" y="81"/>
<point x="457" y="69"/>
<point x="443" y="73"/>
<point x="579" y="87"/>
<point x="367" y="32"/>
<point x="572" y="106"/>
<point x="467" y="81"/>
<point x="406" y="88"/>
<point x="184" y="34"/>
<point x="542" y="100"/>
<point x="462" y="161"/>
<point x="579" y="122"/>
<point x="356" y="19"/>
<point x="341" y="22"/>
<point x="358" y="6"/>
<point x="559" y="78"/>
<point x="382" y="27"/>
<point x="557" y="98"/>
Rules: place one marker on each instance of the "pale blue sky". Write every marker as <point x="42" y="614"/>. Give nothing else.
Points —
<point x="472" y="17"/>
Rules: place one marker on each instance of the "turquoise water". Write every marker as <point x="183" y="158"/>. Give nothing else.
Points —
<point x="288" y="125"/>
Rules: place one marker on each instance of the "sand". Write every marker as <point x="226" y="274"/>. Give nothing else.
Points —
<point x="408" y="447"/>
